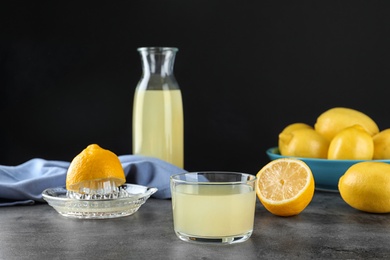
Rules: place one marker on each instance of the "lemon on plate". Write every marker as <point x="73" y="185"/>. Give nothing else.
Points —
<point x="303" y="142"/>
<point x="382" y="144"/>
<point x="92" y="167"/>
<point x="292" y="127"/>
<point x="351" y="143"/>
<point x="285" y="186"/>
<point x="366" y="186"/>
<point x="332" y="121"/>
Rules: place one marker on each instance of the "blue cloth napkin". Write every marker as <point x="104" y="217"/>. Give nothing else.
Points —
<point x="23" y="184"/>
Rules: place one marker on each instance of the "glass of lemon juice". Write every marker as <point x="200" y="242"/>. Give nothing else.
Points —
<point x="213" y="207"/>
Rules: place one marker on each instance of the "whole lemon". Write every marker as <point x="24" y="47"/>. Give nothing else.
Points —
<point x="382" y="145"/>
<point x="351" y="143"/>
<point x="336" y="119"/>
<point x="292" y="127"/>
<point x="366" y="186"/>
<point x="303" y="142"/>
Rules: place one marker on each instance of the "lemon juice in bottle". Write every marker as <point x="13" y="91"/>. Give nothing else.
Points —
<point x="158" y="127"/>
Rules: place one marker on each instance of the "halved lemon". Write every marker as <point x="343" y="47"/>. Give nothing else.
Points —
<point x="285" y="186"/>
<point x="94" y="169"/>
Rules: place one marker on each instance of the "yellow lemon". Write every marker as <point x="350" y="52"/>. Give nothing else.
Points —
<point x="366" y="186"/>
<point x="292" y="127"/>
<point x="92" y="167"/>
<point x="303" y="142"/>
<point x="285" y="186"/>
<point x="336" y="119"/>
<point x="382" y="145"/>
<point x="351" y="143"/>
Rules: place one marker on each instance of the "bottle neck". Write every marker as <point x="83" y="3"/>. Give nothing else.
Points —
<point x="157" y="61"/>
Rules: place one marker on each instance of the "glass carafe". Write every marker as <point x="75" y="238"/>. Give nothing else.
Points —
<point x="158" y="127"/>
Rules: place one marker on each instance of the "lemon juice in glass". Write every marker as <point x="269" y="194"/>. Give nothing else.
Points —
<point x="213" y="207"/>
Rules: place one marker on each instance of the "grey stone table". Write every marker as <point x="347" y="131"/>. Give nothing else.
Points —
<point x="327" y="228"/>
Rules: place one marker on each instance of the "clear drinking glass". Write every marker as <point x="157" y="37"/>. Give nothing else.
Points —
<point x="213" y="207"/>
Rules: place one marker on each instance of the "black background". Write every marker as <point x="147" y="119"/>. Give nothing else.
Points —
<point x="68" y="71"/>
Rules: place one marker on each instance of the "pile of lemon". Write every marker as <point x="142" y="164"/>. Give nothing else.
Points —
<point x="286" y="186"/>
<point x="339" y="133"/>
<point x="344" y="133"/>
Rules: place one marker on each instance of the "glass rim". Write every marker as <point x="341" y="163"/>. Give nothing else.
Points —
<point x="174" y="178"/>
<point x="157" y="49"/>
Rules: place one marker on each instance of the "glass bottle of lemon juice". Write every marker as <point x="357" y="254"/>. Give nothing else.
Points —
<point x="158" y="127"/>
